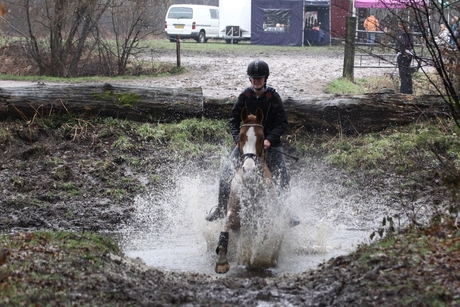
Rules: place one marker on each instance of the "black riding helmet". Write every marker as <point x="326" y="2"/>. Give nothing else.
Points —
<point x="258" y="69"/>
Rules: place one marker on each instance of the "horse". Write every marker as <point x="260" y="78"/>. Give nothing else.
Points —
<point x="252" y="202"/>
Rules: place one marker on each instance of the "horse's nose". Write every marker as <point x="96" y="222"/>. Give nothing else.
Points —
<point x="249" y="165"/>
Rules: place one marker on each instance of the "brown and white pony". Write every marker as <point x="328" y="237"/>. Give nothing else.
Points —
<point x="251" y="183"/>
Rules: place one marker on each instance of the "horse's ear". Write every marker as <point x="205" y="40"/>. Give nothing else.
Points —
<point x="244" y="114"/>
<point x="259" y="115"/>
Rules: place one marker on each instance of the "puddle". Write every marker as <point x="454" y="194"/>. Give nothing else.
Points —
<point x="169" y="230"/>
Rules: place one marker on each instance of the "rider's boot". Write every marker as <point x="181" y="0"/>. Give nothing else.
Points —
<point x="217" y="213"/>
<point x="294" y="219"/>
<point x="221" y="210"/>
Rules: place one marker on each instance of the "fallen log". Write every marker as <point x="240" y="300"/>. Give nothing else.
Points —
<point x="364" y="113"/>
<point x="124" y="102"/>
<point x="323" y="113"/>
<point x="351" y="114"/>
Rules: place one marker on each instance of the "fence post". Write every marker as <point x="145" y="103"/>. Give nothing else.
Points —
<point x="178" y="50"/>
<point x="349" y="56"/>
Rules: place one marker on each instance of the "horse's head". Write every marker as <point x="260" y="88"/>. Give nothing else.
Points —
<point x="251" y="139"/>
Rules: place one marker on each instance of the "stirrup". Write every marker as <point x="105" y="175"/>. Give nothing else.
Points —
<point x="214" y="215"/>
<point x="293" y="218"/>
<point x="293" y="221"/>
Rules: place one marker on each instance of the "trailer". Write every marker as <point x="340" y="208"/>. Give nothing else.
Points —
<point x="235" y="20"/>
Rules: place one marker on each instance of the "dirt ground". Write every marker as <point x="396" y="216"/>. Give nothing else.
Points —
<point x="292" y="74"/>
<point x="70" y="176"/>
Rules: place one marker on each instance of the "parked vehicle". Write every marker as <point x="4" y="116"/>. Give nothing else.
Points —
<point x="199" y="22"/>
<point x="235" y="21"/>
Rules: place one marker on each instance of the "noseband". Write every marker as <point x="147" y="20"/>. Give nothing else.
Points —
<point x="252" y="156"/>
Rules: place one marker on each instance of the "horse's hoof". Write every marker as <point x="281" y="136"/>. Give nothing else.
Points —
<point x="222" y="268"/>
<point x="222" y="265"/>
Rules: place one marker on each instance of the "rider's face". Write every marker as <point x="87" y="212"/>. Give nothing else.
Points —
<point x="257" y="83"/>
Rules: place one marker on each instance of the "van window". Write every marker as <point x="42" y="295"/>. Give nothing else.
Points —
<point x="214" y="14"/>
<point x="181" y="12"/>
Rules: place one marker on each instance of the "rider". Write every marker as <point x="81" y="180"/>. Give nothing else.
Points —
<point x="258" y="95"/>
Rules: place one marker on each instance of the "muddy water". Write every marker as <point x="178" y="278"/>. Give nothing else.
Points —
<point x="169" y="230"/>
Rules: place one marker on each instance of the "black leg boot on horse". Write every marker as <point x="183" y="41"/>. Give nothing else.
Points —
<point x="222" y="266"/>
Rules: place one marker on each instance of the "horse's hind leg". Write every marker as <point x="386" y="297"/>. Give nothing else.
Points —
<point x="222" y="265"/>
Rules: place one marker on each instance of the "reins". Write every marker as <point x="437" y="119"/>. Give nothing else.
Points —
<point x="271" y="148"/>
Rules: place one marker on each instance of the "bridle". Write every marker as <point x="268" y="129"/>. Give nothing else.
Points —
<point x="252" y="156"/>
<point x="252" y="125"/>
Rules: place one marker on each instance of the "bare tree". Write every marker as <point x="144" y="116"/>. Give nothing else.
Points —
<point x="128" y="22"/>
<point x="56" y="32"/>
<point x="441" y="66"/>
<point x="443" y="48"/>
<point x="67" y="38"/>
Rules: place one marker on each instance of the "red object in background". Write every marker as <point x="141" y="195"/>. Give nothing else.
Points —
<point x="339" y="12"/>
<point x="2" y="9"/>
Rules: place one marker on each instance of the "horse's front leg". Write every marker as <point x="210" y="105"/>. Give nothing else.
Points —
<point x="232" y="222"/>
<point x="222" y="266"/>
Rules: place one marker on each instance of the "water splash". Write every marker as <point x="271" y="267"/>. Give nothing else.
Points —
<point x="169" y="231"/>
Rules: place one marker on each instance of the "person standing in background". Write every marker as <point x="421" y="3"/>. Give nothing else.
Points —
<point x="455" y="32"/>
<point x="443" y="37"/>
<point x="371" y="24"/>
<point x="404" y="49"/>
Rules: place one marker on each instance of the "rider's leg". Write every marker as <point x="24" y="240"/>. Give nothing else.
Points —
<point x="277" y="165"/>
<point x="226" y="175"/>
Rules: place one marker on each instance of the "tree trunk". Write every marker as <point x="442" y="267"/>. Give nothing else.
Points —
<point x="364" y="113"/>
<point x="323" y="113"/>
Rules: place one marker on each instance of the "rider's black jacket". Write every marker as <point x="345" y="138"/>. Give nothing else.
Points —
<point x="270" y="102"/>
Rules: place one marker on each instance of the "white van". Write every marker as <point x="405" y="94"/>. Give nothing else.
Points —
<point x="199" y="22"/>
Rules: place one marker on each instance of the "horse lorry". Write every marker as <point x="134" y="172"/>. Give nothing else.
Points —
<point x="235" y="20"/>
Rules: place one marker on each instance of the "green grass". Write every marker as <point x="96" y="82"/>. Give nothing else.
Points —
<point x="123" y="143"/>
<point x="151" y="132"/>
<point x="343" y="86"/>
<point x="242" y="48"/>
<point x="33" y="276"/>
<point x="190" y="137"/>
<point x="194" y="137"/>
<point x="5" y="136"/>
<point x="400" y="145"/>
